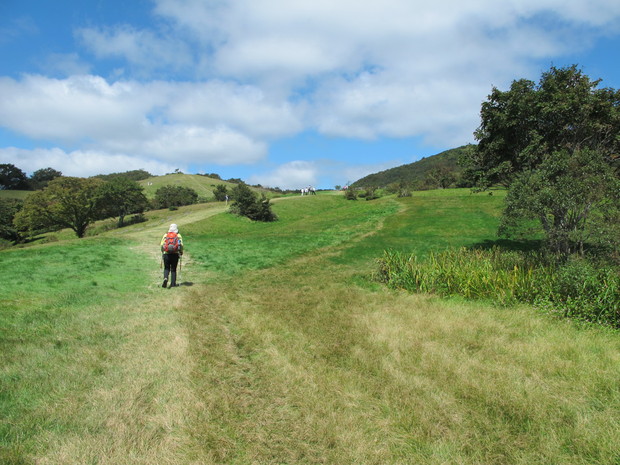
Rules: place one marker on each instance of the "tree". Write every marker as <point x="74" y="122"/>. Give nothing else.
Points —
<point x="66" y="202"/>
<point x="11" y="177"/>
<point x="573" y="196"/>
<point x="40" y="178"/>
<point x="8" y="210"/>
<point x="220" y="192"/>
<point x="175" y="196"/>
<point x="555" y="145"/>
<point x="121" y="197"/>
<point x="247" y="203"/>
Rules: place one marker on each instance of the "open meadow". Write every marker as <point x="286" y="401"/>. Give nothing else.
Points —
<point x="280" y="347"/>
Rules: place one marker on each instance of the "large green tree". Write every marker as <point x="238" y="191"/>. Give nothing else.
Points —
<point x="556" y="146"/>
<point x="120" y="197"/>
<point x="175" y="196"/>
<point x="41" y="178"/>
<point x="11" y="177"/>
<point x="66" y="202"/>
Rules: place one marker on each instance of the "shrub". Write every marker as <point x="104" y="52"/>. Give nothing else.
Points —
<point x="576" y="289"/>
<point x="175" y="196"/>
<point x="246" y="203"/>
<point x="350" y="194"/>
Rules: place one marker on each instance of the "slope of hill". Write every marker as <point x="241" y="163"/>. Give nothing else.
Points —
<point x="419" y="172"/>
<point x="278" y="348"/>
<point x="203" y="185"/>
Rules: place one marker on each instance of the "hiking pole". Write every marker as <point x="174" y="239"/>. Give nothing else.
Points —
<point x="180" y="268"/>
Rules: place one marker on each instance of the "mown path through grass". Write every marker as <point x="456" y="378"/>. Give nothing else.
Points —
<point x="283" y="350"/>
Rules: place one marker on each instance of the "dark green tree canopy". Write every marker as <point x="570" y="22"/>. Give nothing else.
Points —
<point x="556" y="147"/>
<point x="220" y="192"/>
<point x="8" y="210"/>
<point x="11" y="177"/>
<point x="65" y="203"/>
<point x="121" y="197"/>
<point x="523" y="126"/>
<point x="175" y="196"/>
<point x="247" y="203"/>
<point x="40" y="178"/>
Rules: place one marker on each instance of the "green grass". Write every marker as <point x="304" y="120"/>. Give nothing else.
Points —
<point x="203" y="185"/>
<point x="278" y="350"/>
<point x="10" y="194"/>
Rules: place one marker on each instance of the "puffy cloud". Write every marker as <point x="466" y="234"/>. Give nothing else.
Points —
<point x="292" y="175"/>
<point x="76" y="109"/>
<point x="190" y="122"/>
<point x="193" y="144"/>
<point x="244" y="107"/>
<point x="248" y="72"/>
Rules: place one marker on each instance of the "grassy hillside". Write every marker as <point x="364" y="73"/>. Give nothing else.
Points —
<point x="415" y="173"/>
<point x="203" y="185"/>
<point x="280" y="348"/>
<point x="9" y="194"/>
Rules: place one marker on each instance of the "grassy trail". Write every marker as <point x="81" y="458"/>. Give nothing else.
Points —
<point x="279" y="349"/>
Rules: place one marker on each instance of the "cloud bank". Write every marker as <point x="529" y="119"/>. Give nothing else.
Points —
<point x="213" y="82"/>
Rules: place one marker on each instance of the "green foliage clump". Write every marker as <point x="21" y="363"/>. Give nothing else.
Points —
<point x="41" y="178"/>
<point x="175" y="196"/>
<point x="8" y="209"/>
<point x="247" y="203"/>
<point x="220" y="192"/>
<point x="66" y="202"/>
<point x="575" y="288"/>
<point x="555" y="146"/>
<point x="350" y="194"/>
<point x="121" y="197"/>
<point x="11" y="177"/>
<point x="134" y="175"/>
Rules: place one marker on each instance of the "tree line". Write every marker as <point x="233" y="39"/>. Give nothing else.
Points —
<point x="75" y="203"/>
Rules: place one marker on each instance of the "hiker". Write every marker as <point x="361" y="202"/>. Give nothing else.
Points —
<point x="172" y="249"/>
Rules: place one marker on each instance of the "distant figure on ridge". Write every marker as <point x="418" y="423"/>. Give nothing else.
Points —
<point x="172" y="249"/>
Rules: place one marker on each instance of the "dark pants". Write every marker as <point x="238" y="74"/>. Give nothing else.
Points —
<point x="170" y="261"/>
<point x="170" y="265"/>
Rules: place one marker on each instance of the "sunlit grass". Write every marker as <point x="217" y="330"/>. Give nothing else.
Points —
<point x="279" y="350"/>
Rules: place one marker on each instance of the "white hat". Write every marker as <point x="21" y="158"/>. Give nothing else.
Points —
<point x="173" y="228"/>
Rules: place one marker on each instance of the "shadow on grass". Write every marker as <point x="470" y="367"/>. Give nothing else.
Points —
<point x="525" y="245"/>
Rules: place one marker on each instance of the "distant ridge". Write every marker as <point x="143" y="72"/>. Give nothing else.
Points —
<point x="424" y="173"/>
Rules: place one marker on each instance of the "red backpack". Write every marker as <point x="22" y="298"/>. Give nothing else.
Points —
<point x="171" y="243"/>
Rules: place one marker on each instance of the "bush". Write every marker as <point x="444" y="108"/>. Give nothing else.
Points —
<point x="175" y="196"/>
<point x="350" y="194"/>
<point x="246" y="203"/>
<point x="577" y="289"/>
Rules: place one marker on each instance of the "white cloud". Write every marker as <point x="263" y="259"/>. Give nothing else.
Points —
<point x="433" y="62"/>
<point x="80" y="162"/>
<point x="143" y="49"/>
<point x="254" y="71"/>
<point x="292" y="175"/>
<point x="187" y="122"/>
<point x="244" y="107"/>
<point x="193" y="144"/>
<point x="76" y="109"/>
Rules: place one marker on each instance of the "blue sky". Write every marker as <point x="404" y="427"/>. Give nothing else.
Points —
<point x="285" y="93"/>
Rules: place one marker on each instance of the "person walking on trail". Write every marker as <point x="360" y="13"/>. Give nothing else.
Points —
<point x="172" y="249"/>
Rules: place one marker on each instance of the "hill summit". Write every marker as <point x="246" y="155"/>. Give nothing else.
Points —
<point x="441" y="170"/>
